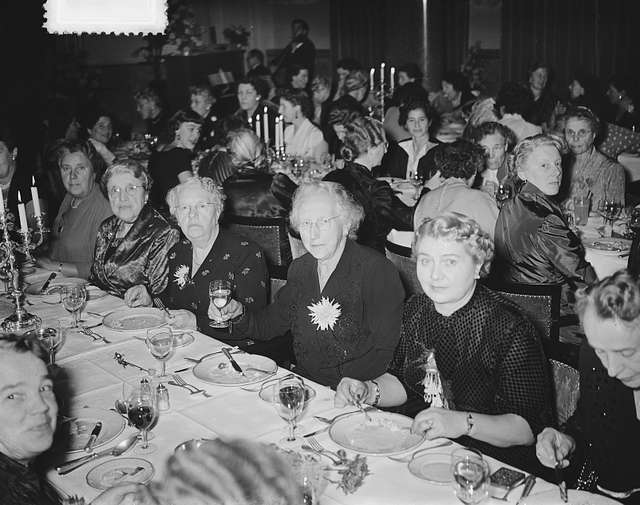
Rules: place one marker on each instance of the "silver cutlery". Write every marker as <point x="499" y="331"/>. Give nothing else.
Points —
<point x="116" y="450"/>
<point x="158" y="303"/>
<point x="529" y="482"/>
<point x="560" y="481"/>
<point x="95" y="335"/>
<point x="44" y="287"/>
<point x="410" y="457"/>
<point x="619" y="495"/>
<point x="95" y="433"/>
<point x="361" y="408"/>
<point x="330" y="420"/>
<point x="233" y="362"/>
<point x="316" y="446"/>
<point x="232" y="350"/>
<point x="195" y="390"/>
<point x="313" y="433"/>
<point x="121" y="361"/>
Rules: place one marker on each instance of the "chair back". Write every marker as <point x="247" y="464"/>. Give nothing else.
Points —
<point x="401" y="257"/>
<point x="566" y="382"/>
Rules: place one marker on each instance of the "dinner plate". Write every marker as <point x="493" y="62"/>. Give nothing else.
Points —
<point x="134" y="319"/>
<point x="120" y="471"/>
<point x="434" y="467"/>
<point x="385" y="434"/>
<point x="608" y="246"/>
<point x="81" y="421"/>
<point x="34" y="288"/>
<point x="552" y="497"/>
<point x="218" y="370"/>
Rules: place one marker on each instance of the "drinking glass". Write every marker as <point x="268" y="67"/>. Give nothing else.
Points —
<point x="503" y="193"/>
<point x="160" y="342"/>
<point x="470" y="475"/>
<point x="289" y="402"/>
<point x="142" y="411"/>
<point x="52" y="339"/>
<point x="634" y="220"/>
<point x="73" y="299"/>
<point x="609" y="210"/>
<point x="220" y="294"/>
<point x="581" y="206"/>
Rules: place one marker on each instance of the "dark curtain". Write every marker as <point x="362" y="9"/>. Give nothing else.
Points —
<point x="592" y="35"/>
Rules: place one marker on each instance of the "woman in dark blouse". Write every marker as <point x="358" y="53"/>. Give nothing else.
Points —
<point x="464" y="351"/>
<point x="133" y="244"/>
<point x="342" y="302"/>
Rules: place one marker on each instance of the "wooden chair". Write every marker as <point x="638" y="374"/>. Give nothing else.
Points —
<point x="402" y="258"/>
<point x="566" y="382"/>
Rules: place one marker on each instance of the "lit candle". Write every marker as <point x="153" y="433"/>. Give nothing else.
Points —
<point x="393" y="78"/>
<point x="250" y="123"/>
<point x="382" y="65"/>
<point x="258" y="128"/>
<point x="34" y="197"/>
<point x="266" y="126"/>
<point x="22" y="213"/>
<point x="1" y="203"/>
<point x="372" y="74"/>
<point x="277" y="133"/>
<point x="281" y="131"/>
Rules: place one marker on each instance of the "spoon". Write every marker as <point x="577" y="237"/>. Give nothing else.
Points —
<point x="116" y="450"/>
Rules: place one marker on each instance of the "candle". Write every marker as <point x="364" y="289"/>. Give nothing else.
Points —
<point x="382" y="65"/>
<point x="1" y="203"/>
<point x="277" y="133"/>
<point x="372" y="74"/>
<point x="22" y="213"/>
<point x="266" y="126"/>
<point x="250" y="123"/>
<point x="393" y="78"/>
<point x="34" y="197"/>
<point x="258" y="128"/>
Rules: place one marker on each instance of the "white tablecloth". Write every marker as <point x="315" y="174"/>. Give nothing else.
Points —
<point x="604" y="264"/>
<point x="97" y="380"/>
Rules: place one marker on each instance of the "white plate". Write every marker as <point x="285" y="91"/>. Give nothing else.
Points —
<point x="576" y="497"/>
<point x="434" y="467"/>
<point x="385" y="435"/>
<point x="218" y="370"/>
<point x="80" y="423"/>
<point x="608" y="246"/>
<point x="135" y="319"/>
<point x="120" y="471"/>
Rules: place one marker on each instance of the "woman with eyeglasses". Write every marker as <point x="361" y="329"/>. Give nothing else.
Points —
<point x="132" y="245"/>
<point x="342" y="302"/>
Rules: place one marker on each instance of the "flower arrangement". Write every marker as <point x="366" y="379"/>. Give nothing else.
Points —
<point x="237" y="35"/>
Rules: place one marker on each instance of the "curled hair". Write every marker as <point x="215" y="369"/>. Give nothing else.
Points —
<point x="126" y="166"/>
<point x="356" y="79"/>
<point x="96" y="161"/>
<point x="216" y="196"/>
<point x="259" y="85"/>
<point x="201" y="89"/>
<point x="415" y="104"/>
<point x="458" y="228"/>
<point x="183" y="116"/>
<point x="299" y="98"/>
<point x="361" y="135"/>
<point x="343" y="116"/>
<point x="483" y="130"/>
<point x="21" y="344"/>
<point x="525" y="147"/>
<point x="320" y="81"/>
<point x="245" y="148"/>
<point x="350" y="211"/>
<point x="412" y="70"/>
<point x="460" y="159"/>
<point x="585" y="114"/>
<point x="149" y="94"/>
<point x="616" y="297"/>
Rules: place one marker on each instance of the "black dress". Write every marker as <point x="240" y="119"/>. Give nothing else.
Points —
<point x="23" y="485"/>
<point x="164" y="168"/>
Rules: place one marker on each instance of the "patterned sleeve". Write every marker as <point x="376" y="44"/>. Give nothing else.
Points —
<point x="157" y="268"/>
<point x="251" y="277"/>
<point x="98" y="255"/>
<point x="619" y="140"/>
<point x="614" y="183"/>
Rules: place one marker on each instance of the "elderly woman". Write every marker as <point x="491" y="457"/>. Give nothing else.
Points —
<point x="301" y="137"/>
<point x="172" y="165"/>
<point x="98" y="129"/>
<point x="206" y="253"/>
<point x="75" y="228"/>
<point x="406" y="159"/>
<point x="133" y="244"/>
<point x="600" y="440"/>
<point x="464" y="351"/>
<point x="534" y="243"/>
<point x="252" y="98"/>
<point x="589" y="169"/>
<point x="342" y="302"/>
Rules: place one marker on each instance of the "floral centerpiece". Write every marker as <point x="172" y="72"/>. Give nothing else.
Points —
<point x="237" y="35"/>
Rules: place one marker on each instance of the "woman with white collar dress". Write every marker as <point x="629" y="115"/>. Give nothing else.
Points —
<point x="301" y="137"/>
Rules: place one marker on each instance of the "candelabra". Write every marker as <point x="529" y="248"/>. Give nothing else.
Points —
<point x="20" y="321"/>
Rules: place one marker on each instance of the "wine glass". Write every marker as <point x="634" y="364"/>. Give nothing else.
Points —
<point x="73" y="299"/>
<point x="289" y="402"/>
<point x="52" y="339"/>
<point x="470" y="475"/>
<point x="161" y="344"/>
<point x="220" y="295"/>
<point x="142" y="411"/>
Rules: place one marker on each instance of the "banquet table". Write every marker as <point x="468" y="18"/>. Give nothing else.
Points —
<point x="605" y="263"/>
<point x="96" y="381"/>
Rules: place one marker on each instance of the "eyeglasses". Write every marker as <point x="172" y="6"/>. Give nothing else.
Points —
<point x="321" y="224"/>
<point x="130" y="190"/>
<point x="198" y="208"/>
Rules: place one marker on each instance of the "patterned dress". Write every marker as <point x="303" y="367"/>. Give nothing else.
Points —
<point x="140" y="257"/>
<point x="490" y="361"/>
<point x="231" y="257"/>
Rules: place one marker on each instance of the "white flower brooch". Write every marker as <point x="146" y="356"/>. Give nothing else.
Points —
<point x="181" y="276"/>
<point x="325" y="313"/>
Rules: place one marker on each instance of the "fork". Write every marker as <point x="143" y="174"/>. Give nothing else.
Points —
<point x="94" y="335"/>
<point x="409" y="457"/>
<point x="181" y="382"/>
<point x="158" y="303"/>
<point x="330" y="420"/>
<point x="316" y="446"/>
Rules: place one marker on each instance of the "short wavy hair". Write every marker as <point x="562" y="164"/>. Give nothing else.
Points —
<point x="460" y="159"/>
<point x="361" y="134"/>
<point x="356" y="79"/>
<point x="244" y="147"/>
<point x="616" y="297"/>
<point x="149" y="94"/>
<point x="458" y="228"/>
<point x="526" y="147"/>
<point x="216" y="195"/>
<point x="300" y="98"/>
<point x="483" y="130"/>
<point x="260" y="86"/>
<point x="585" y="114"/>
<point x="27" y="342"/>
<point x="349" y="209"/>
<point x="183" y="116"/>
<point x="342" y="116"/>
<point x="126" y="166"/>
<point x="416" y="104"/>
<point x="98" y="165"/>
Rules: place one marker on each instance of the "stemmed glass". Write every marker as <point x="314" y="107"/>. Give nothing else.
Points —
<point x="220" y="294"/>
<point x="634" y="221"/>
<point x="289" y="402"/>
<point x="52" y="339"/>
<point x="470" y="474"/>
<point x="161" y="344"/>
<point x="609" y="210"/>
<point x="142" y="411"/>
<point x="73" y="299"/>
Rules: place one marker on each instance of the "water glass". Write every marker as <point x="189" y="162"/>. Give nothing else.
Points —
<point x="289" y="402"/>
<point x="73" y="299"/>
<point x="220" y="295"/>
<point x="470" y="475"/>
<point x="581" y="205"/>
<point x="160" y="342"/>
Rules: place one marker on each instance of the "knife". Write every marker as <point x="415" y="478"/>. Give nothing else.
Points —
<point x="529" y="482"/>
<point x="94" y="436"/>
<point x="562" y="485"/>
<point x="316" y="432"/>
<point x="44" y="287"/>
<point x="233" y="362"/>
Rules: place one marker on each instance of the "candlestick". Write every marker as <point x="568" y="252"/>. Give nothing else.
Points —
<point x="258" y="128"/>
<point x="277" y="133"/>
<point x="393" y="79"/>
<point x="34" y="197"/>
<point x="372" y="74"/>
<point x="382" y="65"/>
<point x="266" y="126"/>
<point x="1" y="204"/>
<point x="22" y="213"/>
<point x="250" y="123"/>
<point x="281" y="132"/>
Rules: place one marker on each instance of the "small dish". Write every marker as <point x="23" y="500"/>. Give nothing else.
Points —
<point x="135" y="319"/>
<point x="120" y="471"/>
<point x="218" y="370"/>
<point x="434" y="467"/>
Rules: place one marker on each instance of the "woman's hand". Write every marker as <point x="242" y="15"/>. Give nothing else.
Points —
<point x="183" y="320"/>
<point x="231" y="310"/>
<point x="553" y="446"/>
<point x="349" y="391"/>
<point x="437" y="422"/>
<point x="435" y="181"/>
<point x="137" y="296"/>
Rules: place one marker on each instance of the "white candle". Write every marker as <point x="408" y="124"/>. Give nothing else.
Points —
<point x="372" y="75"/>
<point x="34" y="197"/>
<point x="281" y="131"/>
<point x="393" y="78"/>
<point x="277" y="133"/>
<point x="250" y="122"/>
<point x="22" y="213"/>
<point x="382" y="65"/>
<point x="258" y="128"/>
<point x="1" y="203"/>
<point x="266" y="126"/>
